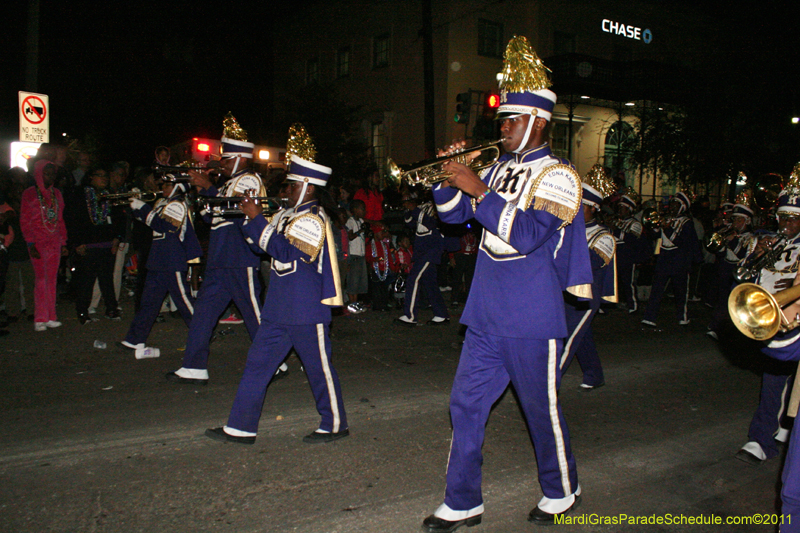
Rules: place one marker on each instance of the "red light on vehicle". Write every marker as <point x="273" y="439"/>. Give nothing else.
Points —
<point x="203" y="147"/>
<point x="493" y="100"/>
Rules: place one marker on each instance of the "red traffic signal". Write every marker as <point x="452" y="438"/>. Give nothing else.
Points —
<point x="492" y="101"/>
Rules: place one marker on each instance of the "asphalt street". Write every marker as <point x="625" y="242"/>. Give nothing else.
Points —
<point x="94" y="440"/>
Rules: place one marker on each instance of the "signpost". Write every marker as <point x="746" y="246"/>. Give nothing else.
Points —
<point x="34" y="117"/>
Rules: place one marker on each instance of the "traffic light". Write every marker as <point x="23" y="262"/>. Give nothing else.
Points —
<point x="463" y="105"/>
<point x="490" y="104"/>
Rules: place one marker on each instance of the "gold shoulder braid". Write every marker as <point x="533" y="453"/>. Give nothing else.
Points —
<point x="604" y="245"/>
<point x="307" y="233"/>
<point x="557" y="190"/>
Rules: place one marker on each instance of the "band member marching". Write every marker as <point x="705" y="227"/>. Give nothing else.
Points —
<point x="533" y="247"/>
<point x="175" y="245"/>
<point x="232" y="265"/>
<point x="633" y="248"/>
<point x="304" y="285"/>
<point x="580" y="314"/>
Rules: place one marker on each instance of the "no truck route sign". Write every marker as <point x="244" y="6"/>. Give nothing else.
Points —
<point x="34" y="117"/>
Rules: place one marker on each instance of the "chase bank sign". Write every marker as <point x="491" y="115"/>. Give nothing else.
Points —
<point x="624" y="30"/>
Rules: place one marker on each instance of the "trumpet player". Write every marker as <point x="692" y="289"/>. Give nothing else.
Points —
<point x="533" y="248"/>
<point x="633" y="248"/>
<point x="679" y="249"/>
<point x="232" y="264"/>
<point x="776" y="380"/>
<point x="737" y="239"/>
<point x="175" y="245"/>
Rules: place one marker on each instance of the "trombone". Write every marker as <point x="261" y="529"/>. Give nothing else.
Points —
<point x="429" y="171"/>
<point x="123" y="198"/>
<point x="750" y="267"/>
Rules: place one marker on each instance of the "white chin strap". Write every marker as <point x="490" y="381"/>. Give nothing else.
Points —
<point x="302" y="194"/>
<point x="527" y="136"/>
<point x="236" y="165"/>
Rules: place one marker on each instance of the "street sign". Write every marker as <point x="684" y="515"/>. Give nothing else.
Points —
<point x="34" y="117"/>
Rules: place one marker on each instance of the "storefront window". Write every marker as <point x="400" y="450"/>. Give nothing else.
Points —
<point x="618" y="154"/>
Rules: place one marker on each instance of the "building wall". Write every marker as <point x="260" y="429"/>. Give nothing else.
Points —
<point x="394" y="94"/>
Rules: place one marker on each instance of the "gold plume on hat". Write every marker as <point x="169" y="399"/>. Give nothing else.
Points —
<point x="745" y="198"/>
<point x="598" y="179"/>
<point x="631" y="193"/>
<point x="793" y="185"/>
<point x="232" y="130"/>
<point x="300" y="143"/>
<point x="522" y="68"/>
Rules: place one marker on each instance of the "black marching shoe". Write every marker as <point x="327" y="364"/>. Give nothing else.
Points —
<point x="220" y="435"/>
<point x="434" y="524"/>
<point x="542" y="518"/>
<point x="172" y="377"/>
<point x="318" y="438"/>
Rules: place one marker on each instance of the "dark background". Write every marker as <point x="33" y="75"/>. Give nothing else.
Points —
<point x="136" y="75"/>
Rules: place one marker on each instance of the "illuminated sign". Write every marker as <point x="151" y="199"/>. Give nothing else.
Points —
<point x="625" y="30"/>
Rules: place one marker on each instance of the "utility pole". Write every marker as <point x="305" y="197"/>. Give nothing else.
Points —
<point x="32" y="48"/>
<point x="427" y="58"/>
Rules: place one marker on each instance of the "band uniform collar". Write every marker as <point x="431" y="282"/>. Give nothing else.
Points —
<point x="306" y="206"/>
<point x="533" y="154"/>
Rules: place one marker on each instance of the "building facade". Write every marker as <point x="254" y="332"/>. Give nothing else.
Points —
<point x="610" y="62"/>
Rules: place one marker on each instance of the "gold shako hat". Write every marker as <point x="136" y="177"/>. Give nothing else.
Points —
<point x="596" y="186"/>
<point x="300" y="152"/>
<point x="234" y="139"/>
<point x="743" y="202"/>
<point x="524" y="83"/>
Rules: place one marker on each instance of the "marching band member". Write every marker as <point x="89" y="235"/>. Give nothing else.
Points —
<point x="175" y="245"/>
<point x="232" y="265"/>
<point x="533" y="247"/>
<point x="428" y="250"/>
<point x="737" y="243"/>
<point x="679" y="248"/>
<point x="304" y="285"/>
<point x="633" y="247"/>
<point x="776" y="381"/>
<point x="580" y="314"/>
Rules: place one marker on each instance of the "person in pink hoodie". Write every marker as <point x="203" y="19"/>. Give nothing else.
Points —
<point x="42" y="224"/>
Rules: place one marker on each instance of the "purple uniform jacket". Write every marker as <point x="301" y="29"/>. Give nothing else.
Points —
<point x="173" y="246"/>
<point x="525" y="259"/>
<point x="300" y="291"/>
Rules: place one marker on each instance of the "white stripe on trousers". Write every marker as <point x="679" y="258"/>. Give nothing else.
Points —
<point x="324" y="357"/>
<point x="416" y="288"/>
<point x="253" y="295"/>
<point x="182" y="286"/>
<point x="552" y="396"/>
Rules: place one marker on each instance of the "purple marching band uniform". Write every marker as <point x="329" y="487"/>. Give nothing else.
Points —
<point x="515" y="315"/>
<point x="633" y="249"/>
<point x="428" y="249"/>
<point x="580" y="314"/>
<point x="776" y="380"/>
<point x="727" y="261"/>
<point x="231" y="271"/>
<point x="679" y="248"/>
<point x="175" y="245"/>
<point x="304" y="285"/>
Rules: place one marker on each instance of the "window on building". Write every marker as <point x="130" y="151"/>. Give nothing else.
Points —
<point x="559" y="140"/>
<point x="618" y="154"/>
<point x="343" y="62"/>
<point x="380" y="51"/>
<point x="563" y="43"/>
<point x="379" y="144"/>
<point x="312" y="71"/>
<point x="490" y="38"/>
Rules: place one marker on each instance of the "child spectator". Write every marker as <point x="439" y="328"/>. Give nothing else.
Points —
<point x="381" y="258"/>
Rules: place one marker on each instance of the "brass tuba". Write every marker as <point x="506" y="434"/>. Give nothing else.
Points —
<point x="430" y="171"/>
<point x="757" y="313"/>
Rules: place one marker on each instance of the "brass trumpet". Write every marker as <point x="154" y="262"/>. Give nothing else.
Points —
<point x="123" y="198"/>
<point x="718" y="240"/>
<point x="430" y="171"/>
<point x="222" y="206"/>
<point x="177" y="174"/>
<point x="757" y="313"/>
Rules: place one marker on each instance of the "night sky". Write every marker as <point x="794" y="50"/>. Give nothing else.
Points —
<point x="136" y="76"/>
